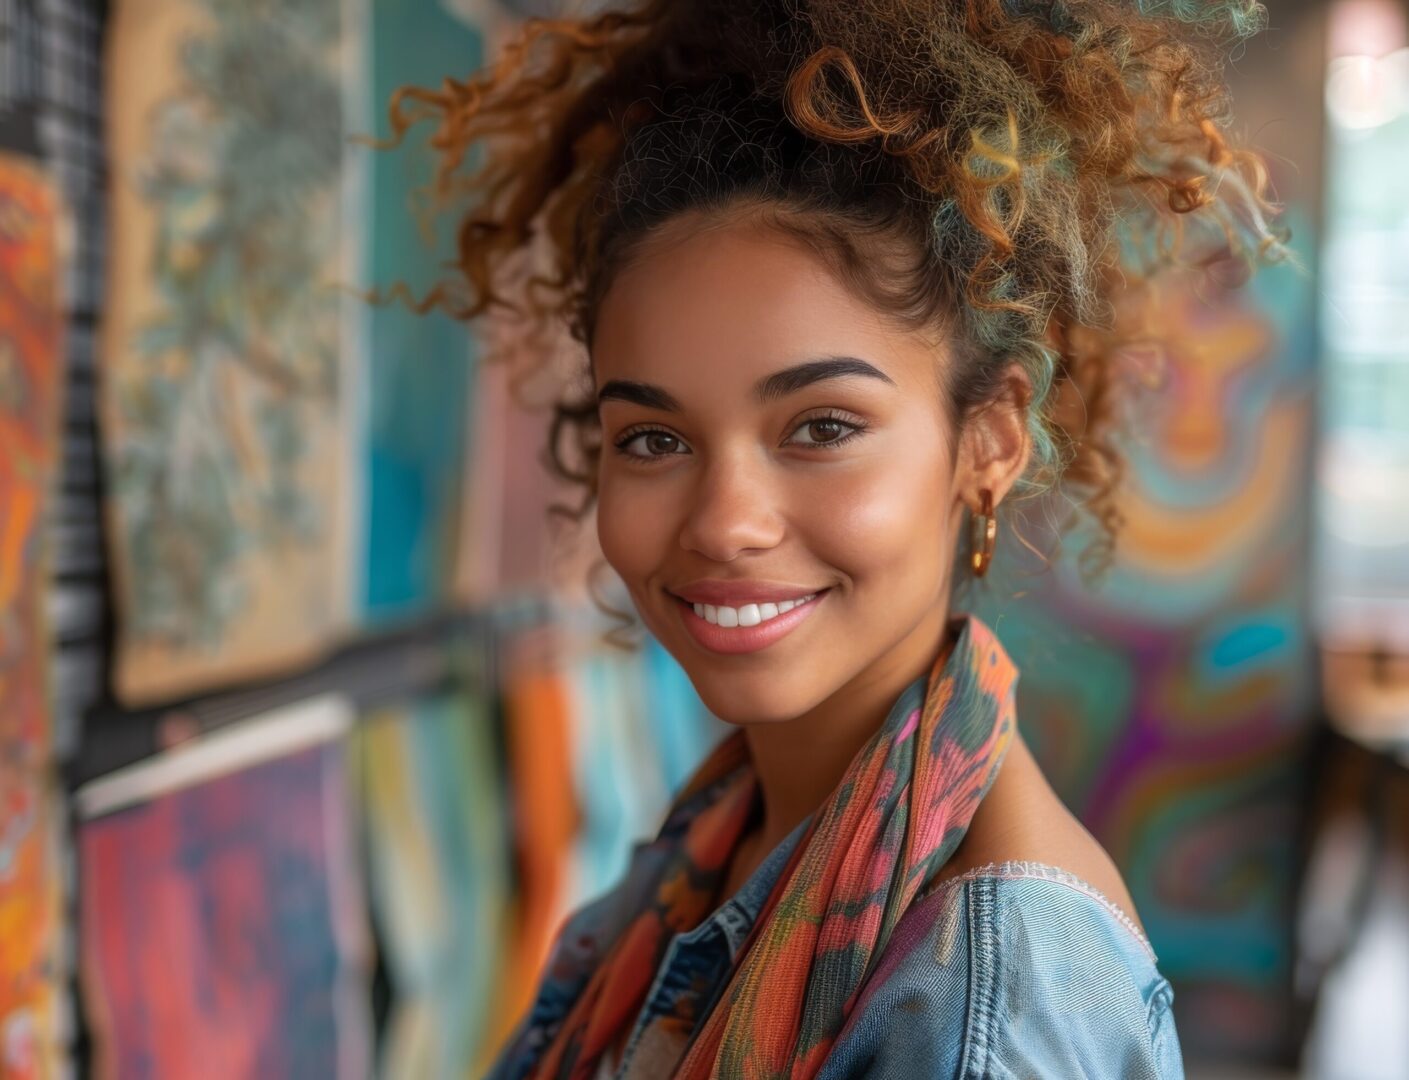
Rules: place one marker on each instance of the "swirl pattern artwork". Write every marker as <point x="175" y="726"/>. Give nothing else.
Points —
<point x="1171" y="705"/>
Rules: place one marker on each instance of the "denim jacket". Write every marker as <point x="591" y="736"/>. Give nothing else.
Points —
<point x="1014" y="969"/>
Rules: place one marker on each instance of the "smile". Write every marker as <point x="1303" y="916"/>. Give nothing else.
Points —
<point x="749" y="627"/>
<point x="748" y="614"/>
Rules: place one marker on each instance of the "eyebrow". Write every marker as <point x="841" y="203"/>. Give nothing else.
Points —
<point x="769" y="388"/>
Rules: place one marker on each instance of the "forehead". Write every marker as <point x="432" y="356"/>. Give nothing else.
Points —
<point x="713" y="309"/>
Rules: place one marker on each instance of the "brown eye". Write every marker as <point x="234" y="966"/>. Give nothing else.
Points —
<point x="826" y="430"/>
<point x="658" y="445"/>
<point x="829" y="431"/>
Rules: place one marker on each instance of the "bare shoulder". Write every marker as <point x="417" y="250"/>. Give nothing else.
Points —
<point x="1022" y="819"/>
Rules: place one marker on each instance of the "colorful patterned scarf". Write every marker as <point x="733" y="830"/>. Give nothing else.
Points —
<point x="884" y="833"/>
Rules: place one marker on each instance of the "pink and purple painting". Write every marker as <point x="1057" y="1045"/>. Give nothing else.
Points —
<point x="222" y="927"/>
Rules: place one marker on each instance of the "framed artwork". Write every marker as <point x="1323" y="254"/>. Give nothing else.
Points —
<point x="222" y="925"/>
<point x="229" y="337"/>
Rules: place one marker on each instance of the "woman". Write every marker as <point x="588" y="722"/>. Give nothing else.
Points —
<point x="844" y="275"/>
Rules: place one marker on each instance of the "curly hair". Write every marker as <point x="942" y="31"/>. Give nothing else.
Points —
<point x="1002" y="170"/>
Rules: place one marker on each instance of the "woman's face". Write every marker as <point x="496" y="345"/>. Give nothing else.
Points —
<point x="768" y="435"/>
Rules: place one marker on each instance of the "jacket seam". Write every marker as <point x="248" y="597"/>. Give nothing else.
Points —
<point x="1019" y="868"/>
<point x="1160" y="1000"/>
<point x="983" y="978"/>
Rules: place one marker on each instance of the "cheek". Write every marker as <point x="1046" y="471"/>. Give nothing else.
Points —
<point x="631" y="528"/>
<point x="883" y="524"/>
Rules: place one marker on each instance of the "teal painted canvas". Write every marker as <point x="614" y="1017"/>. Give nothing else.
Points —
<point x="417" y="367"/>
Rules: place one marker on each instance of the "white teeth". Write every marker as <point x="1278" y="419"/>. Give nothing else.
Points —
<point x="749" y="614"/>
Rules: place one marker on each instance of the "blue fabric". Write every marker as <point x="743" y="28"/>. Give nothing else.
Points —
<point x="1018" y="970"/>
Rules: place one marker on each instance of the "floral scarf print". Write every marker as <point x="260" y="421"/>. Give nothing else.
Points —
<point x="883" y="834"/>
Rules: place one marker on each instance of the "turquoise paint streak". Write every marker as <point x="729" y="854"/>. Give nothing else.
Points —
<point x="418" y="366"/>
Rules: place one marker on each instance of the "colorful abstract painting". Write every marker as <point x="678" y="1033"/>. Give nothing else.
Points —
<point x="439" y="857"/>
<point x="419" y="367"/>
<point x="31" y="375"/>
<point x="225" y="344"/>
<point x="1170" y="705"/>
<point x="222" y="927"/>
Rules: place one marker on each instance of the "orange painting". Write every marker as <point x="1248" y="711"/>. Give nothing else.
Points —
<point x="31" y="369"/>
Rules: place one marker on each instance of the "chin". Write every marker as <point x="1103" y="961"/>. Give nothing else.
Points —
<point x="739" y="689"/>
<point x="739" y="700"/>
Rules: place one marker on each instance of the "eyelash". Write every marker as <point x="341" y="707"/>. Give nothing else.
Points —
<point x="858" y="427"/>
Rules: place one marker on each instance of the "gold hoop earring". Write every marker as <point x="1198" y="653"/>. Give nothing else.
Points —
<point x="982" y="544"/>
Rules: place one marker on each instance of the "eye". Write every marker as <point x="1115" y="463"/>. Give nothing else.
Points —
<point x="659" y="444"/>
<point x="831" y="430"/>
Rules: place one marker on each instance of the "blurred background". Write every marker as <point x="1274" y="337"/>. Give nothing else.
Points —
<point x="309" y="736"/>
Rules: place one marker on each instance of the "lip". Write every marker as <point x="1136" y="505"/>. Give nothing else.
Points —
<point x="719" y="592"/>
<point x="745" y="639"/>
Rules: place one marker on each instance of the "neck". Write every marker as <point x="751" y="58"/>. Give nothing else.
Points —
<point x="801" y="761"/>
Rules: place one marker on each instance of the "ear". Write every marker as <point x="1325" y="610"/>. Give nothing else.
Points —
<point x="994" y="443"/>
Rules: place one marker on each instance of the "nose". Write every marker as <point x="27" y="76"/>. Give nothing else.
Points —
<point x="733" y="508"/>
